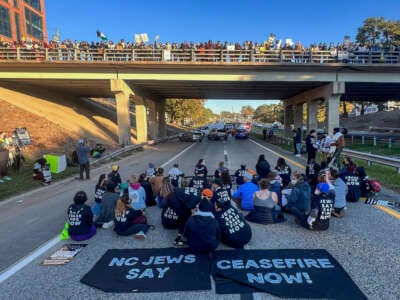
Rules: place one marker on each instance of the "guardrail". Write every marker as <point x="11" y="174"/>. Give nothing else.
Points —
<point x="200" y="55"/>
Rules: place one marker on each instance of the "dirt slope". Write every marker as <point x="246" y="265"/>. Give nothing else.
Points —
<point x="389" y="119"/>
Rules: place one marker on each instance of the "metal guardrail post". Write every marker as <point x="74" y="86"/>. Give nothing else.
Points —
<point x="374" y="140"/>
<point x="192" y="56"/>
<point x="75" y="54"/>
<point x="133" y="54"/>
<point x="46" y="54"/>
<point x="390" y="143"/>
<point x="18" y="53"/>
<point x="362" y="140"/>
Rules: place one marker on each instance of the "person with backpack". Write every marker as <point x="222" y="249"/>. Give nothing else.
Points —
<point x="80" y="219"/>
<point x="235" y="231"/>
<point x="321" y="209"/>
<point x="136" y="193"/>
<point x="202" y="229"/>
<point x="128" y="220"/>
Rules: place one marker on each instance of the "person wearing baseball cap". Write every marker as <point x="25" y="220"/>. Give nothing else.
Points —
<point x="202" y="230"/>
<point x="321" y="209"/>
<point x="243" y="196"/>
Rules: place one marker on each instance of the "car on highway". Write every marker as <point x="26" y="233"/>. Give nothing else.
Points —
<point x="204" y="129"/>
<point x="229" y="128"/>
<point x="241" y="133"/>
<point x="191" y="136"/>
<point x="217" y="134"/>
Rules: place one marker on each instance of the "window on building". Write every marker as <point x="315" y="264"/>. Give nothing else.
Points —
<point x="34" y="4"/>
<point x="34" y="24"/>
<point x="5" y="22"/>
<point x="18" y="27"/>
<point x="16" y="3"/>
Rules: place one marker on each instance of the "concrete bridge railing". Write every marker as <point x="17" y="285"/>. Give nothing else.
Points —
<point x="200" y="55"/>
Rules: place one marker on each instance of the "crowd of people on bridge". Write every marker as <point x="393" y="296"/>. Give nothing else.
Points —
<point x="206" y="210"/>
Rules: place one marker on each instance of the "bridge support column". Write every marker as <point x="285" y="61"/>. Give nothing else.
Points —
<point x="312" y="112"/>
<point x="332" y="112"/>
<point x="122" y="93"/>
<point x="153" y="119"/>
<point x="287" y="117"/>
<point x="162" y="130"/>
<point x="298" y="115"/>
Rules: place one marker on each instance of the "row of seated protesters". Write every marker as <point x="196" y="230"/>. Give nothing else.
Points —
<point x="205" y="213"/>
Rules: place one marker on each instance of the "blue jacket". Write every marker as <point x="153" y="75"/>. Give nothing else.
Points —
<point x="83" y="154"/>
<point x="245" y="192"/>
<point x="300" y="197"/>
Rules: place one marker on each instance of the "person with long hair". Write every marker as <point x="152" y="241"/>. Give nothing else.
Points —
<point x="129" y="221"/>
<point x="226" y="181"/>
<point x="166" y="189"/>
<point x="284" y="171"/>
<point x="262" y="167"/>
<point x="201" y="168"/>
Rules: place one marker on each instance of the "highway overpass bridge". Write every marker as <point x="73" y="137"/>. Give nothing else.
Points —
<point x="148" y="84"/>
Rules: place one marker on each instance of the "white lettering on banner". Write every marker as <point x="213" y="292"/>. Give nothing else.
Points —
<point x="147" y="273"/>
<point x="277" y="278"/>
<point x="277" y="263"/>
<point x="156" y="260"/>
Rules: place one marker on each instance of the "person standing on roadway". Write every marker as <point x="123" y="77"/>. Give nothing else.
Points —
<point x="83" y="153"/>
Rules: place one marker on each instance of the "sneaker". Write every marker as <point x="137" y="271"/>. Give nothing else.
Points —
<point x="298" y="155"/>
<point x="140" y="235"/>
<point x="108" y="225"/>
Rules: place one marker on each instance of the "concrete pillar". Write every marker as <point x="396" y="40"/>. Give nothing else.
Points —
<point x="123" y="112"/>
<point x="153" y="119"/>
<point x="312" y="114"/>
<point x="332" y="112"/>
<point x="141" y="119"/>
<point x="162" y="130"/>
<point x="298" y="115"/>
<point x="287" y="119"/>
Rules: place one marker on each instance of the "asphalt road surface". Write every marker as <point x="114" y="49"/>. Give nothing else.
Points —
<point x="366" y="242"/>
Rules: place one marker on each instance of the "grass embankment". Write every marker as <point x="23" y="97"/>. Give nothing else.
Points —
<point x="386" y="175"/>
<point x="379" y="149"/>
<point x="22" y="181"/>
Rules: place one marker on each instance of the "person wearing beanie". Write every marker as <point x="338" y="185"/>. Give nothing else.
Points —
<point x="235" y="231"/>
<point x="109" y="200"/>
<point x="202" y="230"/>
<point x="239" y="174"/>
<point x="243" y="196"/>
<point x="114" y="175"/>
<point x="80" y="219"/>
<point x="137" y="194"/>
<point x="321" y="209"/>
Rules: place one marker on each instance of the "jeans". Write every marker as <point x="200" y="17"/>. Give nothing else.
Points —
<point x="298" y="148"/>
<point x="84" y="167"/>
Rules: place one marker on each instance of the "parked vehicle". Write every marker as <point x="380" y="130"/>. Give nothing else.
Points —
<point x="191" y="136"/>
<point x="204" y="129"/>
<point x="217" y="134"/>
<point x="229" y="128"/>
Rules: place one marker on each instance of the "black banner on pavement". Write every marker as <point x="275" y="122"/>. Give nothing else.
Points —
<point x="149" y="270"/>
<point x="285" y="273"/>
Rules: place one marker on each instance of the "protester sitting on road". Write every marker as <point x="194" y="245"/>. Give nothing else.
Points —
<point x="202" y="230"/>
<point x="151" y="170"/>
<point x="275" y="185"/>
<point x="175" y="175"/>
<point x="156" y="181"/>
<point x="266" y="209"/>
<point x="299" y="199"/>
<point x="114" y="175"/>
<point x="129" y="221"/>
<point x="107" y="206"/>
<point x="262" y="167"/>
<point x="219" y="191"/>
<point x="199" y="181"/>
<point x="235" y="231"/>
<point x="311" y="145"/>
<point x="321" y="208"/>
<point x="80" y="219"/>
<point x="284" y="171"/>
<point x="340" y="193"/>
<point x="312" y="170"/>
<point x="349" y="176"/>
<point x="239" y="174"/>
<point x="243" y="196"/>
<point x="324" y="177"/>
<point x="226" y="181"/>
<point x="136" y="193"/>
<point x="201" y="168"/>
<point x="220" y="169"/>
<point x="165" y="190"/>
<point x="144" y="182"/>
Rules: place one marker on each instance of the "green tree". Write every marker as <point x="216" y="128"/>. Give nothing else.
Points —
<point x="247" y="111"/>
<point x="179" y="110"/>
<point x="378" y="30"/>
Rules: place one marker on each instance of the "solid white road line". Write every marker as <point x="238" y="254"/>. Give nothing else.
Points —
<point x="10" y="271"/>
